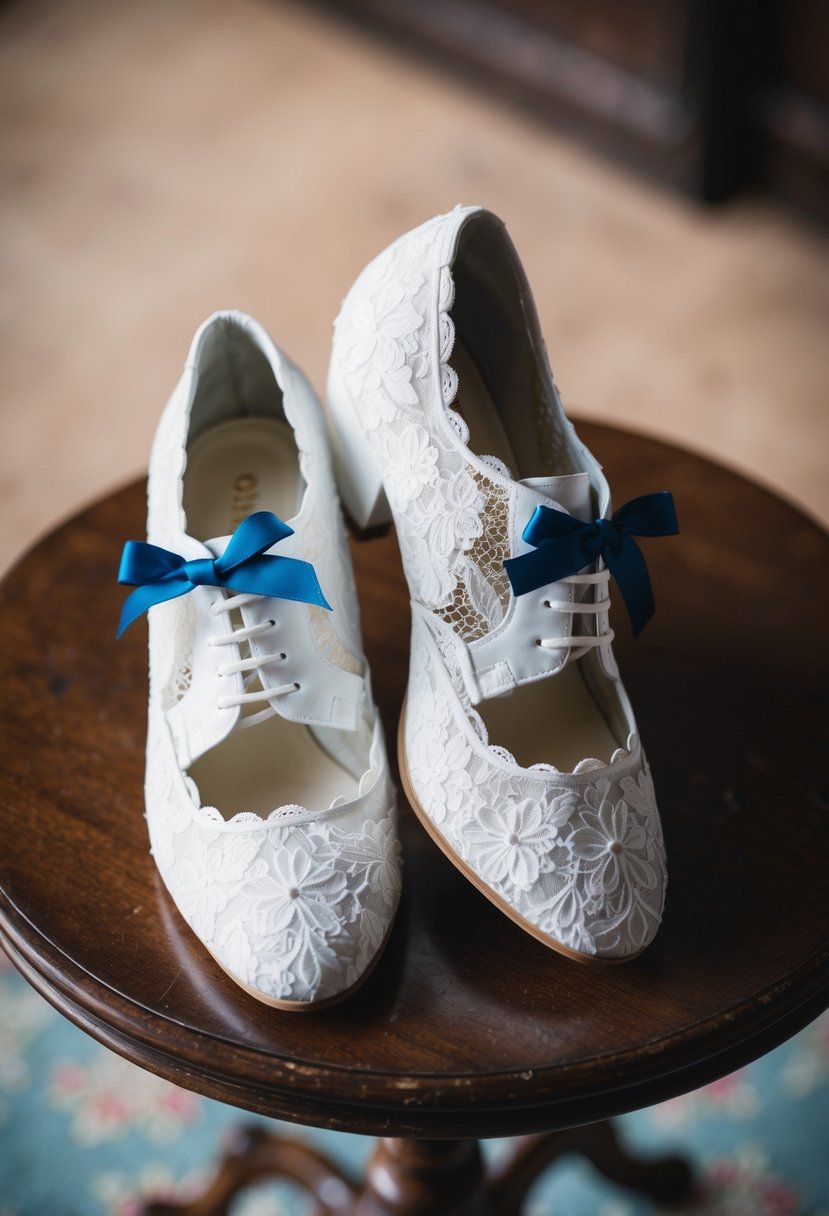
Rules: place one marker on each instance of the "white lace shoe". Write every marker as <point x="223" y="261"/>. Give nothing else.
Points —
<point x="269" y="804"/>
<point x="518" y="746"/>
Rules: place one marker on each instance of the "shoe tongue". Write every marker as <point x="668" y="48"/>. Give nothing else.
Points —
<point x="289" y="546"/>
<point x="570" y="491"/>
<point x="217" y="545"/>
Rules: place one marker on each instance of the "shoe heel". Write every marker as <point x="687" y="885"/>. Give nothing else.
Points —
<point x="356" y="469"/>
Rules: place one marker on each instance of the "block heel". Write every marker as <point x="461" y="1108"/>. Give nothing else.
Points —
<point x="356" y="469"/>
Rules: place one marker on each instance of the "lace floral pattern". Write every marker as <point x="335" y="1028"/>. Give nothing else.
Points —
<point x="515" y="843"/>
<point x="296" y="908"/>
<point x="579" y="856"/>
<point x="294" y="905"/>
<point x="383" y="343"/>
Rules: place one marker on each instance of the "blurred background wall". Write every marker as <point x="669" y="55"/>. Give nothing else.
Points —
<point x="163" y="158"/>
<point x="712" y="98"/>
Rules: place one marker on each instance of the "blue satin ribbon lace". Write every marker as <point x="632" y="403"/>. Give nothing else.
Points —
<point x="244" y="568"/>
<point x="564" y="545"/>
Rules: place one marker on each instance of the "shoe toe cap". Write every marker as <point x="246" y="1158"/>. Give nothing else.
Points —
<point x="297" y="913"/>
<point x="578" y="862"/>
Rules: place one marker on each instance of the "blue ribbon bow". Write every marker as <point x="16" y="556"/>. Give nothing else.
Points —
<point x="564" y="545"/>
<point x="244" y="567"/>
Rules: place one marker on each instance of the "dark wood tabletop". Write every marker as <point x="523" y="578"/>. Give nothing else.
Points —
<point x="468" y="1026"/>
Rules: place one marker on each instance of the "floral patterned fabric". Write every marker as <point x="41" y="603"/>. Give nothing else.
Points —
<point x="577" y="857"/>
<point x="297" y="906"/>
<point x="83" y="1131"/>
<point x="294" y="902"/>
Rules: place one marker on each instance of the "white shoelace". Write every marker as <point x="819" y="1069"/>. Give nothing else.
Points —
<point x="579" y="644"/>
<point x="251" y="665"/>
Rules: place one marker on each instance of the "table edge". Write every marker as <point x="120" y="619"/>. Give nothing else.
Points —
<point x="423" y="1104"/>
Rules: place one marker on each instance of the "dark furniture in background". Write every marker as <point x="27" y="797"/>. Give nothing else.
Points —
<point x="709" y="96"/>
<point x="468" y="1027"/>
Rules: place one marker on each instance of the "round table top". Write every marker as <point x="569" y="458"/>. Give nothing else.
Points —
<point x="468" y="1026"/>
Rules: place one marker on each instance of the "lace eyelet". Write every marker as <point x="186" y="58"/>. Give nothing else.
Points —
<point x="282" y="655"/>
<point x="272" y="624"/>
<point x="296" y="686"/>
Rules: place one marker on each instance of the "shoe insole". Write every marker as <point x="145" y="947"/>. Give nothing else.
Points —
<point x="553" y="721"/>
<point x="274" y="763"/>
<point x="234" y="469"/>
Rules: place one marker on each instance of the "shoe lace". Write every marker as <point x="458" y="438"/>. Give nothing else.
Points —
<point x="251" y="664"/>
<point x="578" y="644"/>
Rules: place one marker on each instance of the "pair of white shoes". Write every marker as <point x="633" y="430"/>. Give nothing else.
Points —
<point x="270" y="806"/>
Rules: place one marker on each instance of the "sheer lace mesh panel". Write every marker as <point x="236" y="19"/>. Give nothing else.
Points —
<point x="553" y="452"/>
<point x="329" y="644"/>
<point x="181" y="680"/>
<point x="182" y="668"/>
<point x="482" y="592"/>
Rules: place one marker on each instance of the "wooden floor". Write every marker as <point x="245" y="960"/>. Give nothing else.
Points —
<point x="165" y="158"/>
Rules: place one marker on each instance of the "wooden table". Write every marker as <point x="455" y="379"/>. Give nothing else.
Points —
<point x="468" y="1027"/>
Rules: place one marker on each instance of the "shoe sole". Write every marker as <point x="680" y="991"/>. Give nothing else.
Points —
<point x="588" y="960"/>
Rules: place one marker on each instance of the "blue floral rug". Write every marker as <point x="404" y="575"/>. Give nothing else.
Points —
<point x="83" y="1133"/>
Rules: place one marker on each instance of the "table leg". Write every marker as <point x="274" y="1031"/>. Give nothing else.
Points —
<point x="256" y="1155"/>
<point x="666" y="1179"/>
<point x="425" y="1178"/>
<point x="428" y="1177"/>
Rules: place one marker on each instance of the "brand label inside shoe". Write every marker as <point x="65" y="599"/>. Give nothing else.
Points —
<point x="571" y="491"/>
<point x="244" y="498"/>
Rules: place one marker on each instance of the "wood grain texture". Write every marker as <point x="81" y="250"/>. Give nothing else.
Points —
<point x="468" y="1026"/>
